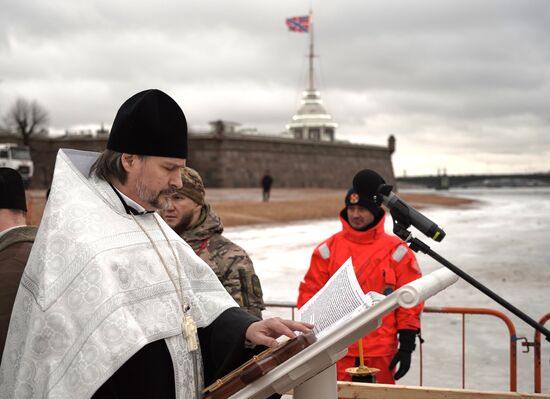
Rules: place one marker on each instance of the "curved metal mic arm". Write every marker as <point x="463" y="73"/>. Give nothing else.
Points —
<point x="400" y="230"/>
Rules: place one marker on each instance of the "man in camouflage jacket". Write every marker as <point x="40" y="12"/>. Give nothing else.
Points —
<point x="195" y="221"/>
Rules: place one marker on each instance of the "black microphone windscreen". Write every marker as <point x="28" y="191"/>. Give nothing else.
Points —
<point x="366" y="182"/>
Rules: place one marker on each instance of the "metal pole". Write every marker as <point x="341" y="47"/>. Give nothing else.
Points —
<point x="417" y="245"/>
<point x="463" y="351"/>
<point x="311" y="52"/>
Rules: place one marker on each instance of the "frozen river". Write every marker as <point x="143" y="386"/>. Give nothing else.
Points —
<point x="503" y="242"/>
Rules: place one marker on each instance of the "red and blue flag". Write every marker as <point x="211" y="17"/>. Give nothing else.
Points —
<point x="298" y="24"/>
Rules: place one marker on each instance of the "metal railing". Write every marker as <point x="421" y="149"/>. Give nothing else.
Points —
<point x="480" y="311"/>
<point x="465" y="311"/>
<point x="538" y="369"/>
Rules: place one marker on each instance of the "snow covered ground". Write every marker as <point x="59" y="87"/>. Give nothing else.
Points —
<point x="503" y="242"/>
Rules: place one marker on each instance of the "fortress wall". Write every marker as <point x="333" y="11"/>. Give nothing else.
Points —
<point x="242" y="160"/>
<point x="292" y="163"/>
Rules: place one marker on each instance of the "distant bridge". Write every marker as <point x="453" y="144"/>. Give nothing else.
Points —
<point x="493" y="180"/>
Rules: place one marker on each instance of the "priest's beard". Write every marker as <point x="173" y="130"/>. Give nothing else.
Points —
<point x="184" y="223"/>
<point x="158" y="200"/>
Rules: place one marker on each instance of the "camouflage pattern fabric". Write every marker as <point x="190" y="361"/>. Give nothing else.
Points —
<point x="229" y="261"/>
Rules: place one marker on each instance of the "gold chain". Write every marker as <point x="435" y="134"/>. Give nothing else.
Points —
<point x="187" y="321"/>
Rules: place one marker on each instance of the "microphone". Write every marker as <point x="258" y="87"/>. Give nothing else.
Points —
<point x="370" y="184"/>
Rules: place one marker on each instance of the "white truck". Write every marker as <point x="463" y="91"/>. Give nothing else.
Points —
<point x="17" y="157"/>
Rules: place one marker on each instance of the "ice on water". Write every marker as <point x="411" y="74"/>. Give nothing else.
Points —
<point x="503" y="242"/>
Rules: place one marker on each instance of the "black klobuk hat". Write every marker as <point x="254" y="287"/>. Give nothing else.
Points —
<point x="150" y="123"/>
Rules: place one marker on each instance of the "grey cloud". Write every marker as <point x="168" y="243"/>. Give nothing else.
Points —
<point x="474" y="71"/>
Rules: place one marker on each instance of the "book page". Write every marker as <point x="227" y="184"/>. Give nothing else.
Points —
<point x="340" y="297"/>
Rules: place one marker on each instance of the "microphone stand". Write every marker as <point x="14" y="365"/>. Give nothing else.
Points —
<point x="401" y="222"/>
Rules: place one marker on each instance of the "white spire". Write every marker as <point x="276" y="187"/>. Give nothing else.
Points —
<point x="312" y="121"/>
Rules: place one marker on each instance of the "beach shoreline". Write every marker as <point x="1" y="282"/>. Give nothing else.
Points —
<point x="244" y="206"/>
<point x="240" y="207"/>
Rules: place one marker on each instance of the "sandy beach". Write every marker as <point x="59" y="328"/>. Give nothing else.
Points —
<point x="244" y="206"/>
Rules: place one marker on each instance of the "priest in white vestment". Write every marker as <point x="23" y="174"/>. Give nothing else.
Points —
<point x="113" y="303"/>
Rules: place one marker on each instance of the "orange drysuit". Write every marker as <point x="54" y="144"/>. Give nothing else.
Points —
<point x="382" y="263"/>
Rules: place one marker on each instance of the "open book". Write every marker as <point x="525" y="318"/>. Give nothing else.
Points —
<point x="338" y="300"/>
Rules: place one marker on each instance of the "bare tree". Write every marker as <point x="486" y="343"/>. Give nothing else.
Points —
<point x="26" y="118"/>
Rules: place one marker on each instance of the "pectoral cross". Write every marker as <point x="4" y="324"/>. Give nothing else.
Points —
<point x="189" y="330"/>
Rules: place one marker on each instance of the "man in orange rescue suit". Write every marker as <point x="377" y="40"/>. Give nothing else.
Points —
<point x="382" y="263"/>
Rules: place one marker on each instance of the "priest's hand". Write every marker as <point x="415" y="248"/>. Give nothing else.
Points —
<point x="265" y="331"/>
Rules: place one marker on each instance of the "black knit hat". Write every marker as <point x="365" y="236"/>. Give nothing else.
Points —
<point x="12" y="190"/>
<point x="353" y="198"/>
<point x="150" y="123"/>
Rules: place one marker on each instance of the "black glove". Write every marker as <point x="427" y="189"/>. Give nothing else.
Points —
<point x="403" y="355"/>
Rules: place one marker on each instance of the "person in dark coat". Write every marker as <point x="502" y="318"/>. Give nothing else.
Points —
<point x="16" y="239"/>
<point x="267" y="182"/>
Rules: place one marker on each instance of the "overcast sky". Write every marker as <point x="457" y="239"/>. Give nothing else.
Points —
<point x="463" y="85"/>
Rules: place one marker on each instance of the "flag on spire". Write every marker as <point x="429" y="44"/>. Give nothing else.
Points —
<point x="298" y="24"/>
